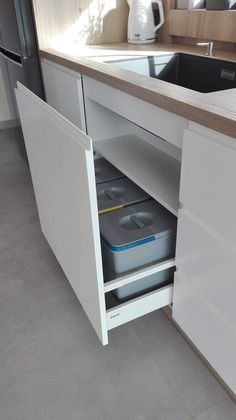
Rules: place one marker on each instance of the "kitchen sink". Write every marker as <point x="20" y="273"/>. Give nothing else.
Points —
<point x="202" y="74"/>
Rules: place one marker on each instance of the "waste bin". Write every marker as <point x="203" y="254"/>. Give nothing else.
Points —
<point x="114" y="195"/>
<point x="134" y="237"/>
<point x="104" y="171"/>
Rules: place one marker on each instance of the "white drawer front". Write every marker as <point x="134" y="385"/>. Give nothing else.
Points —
<point x="209" y="267"/>
<point x="207" y="330"/>
<point x="64" y="92"/>
<point x="208" y="183"/>
<point x="205" y="295"/>
<point x="140" y="306"/>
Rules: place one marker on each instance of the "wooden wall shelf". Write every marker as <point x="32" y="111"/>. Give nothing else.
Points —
<point x="204" y="24"/>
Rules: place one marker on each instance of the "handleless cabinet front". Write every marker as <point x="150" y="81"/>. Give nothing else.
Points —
<point x="62" y="168"/>
<point x="207" y="182"/>
<point x="64" y="92"/>
<point x="205" y="287"/>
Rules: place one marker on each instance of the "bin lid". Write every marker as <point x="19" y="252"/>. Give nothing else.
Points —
<point x="135" y="225"/>
<point x="105" y="171"/>
<point x="116" y="194"/>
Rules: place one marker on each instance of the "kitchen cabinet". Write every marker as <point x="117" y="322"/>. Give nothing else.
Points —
<point x="205" y="287"/>
<point x="155" y="120"/>
<point x="62" y="167"/>
<point x="146" y="144"/>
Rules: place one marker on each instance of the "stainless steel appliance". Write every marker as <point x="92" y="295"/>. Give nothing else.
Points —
<point x="18" y="46"/>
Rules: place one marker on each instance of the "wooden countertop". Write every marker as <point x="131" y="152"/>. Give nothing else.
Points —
<point x="213" y="110"/>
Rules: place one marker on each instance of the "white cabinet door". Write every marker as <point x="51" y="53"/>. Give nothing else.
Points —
<point x="207" y="187"/>
<point x="205" y="287"/>
<point x="62" y="168"/>
<point x="64" y="92"/>
<point x="205" y="295"/>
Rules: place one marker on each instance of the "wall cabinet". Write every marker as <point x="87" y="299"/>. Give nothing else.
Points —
<point x="61" y="157"/>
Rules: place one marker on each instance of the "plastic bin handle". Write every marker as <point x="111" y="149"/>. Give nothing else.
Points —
<point x="137" y="221"/>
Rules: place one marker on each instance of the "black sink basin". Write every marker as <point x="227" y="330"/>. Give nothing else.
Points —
<point x="202" y="74"/>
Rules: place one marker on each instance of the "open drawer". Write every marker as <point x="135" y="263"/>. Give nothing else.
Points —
<point x="62" y="167"/>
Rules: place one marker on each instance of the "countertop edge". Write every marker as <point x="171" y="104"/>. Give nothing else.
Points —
<point x="190" y="106"/>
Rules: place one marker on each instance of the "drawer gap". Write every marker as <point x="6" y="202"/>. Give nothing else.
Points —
<point x="138" y="274"/>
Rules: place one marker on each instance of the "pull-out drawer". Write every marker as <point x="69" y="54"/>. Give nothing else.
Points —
<point x="205" y="294"/>
<point x="62" y="168"/>
<point x="207" y="182"/>
<point x="140" y="306"/>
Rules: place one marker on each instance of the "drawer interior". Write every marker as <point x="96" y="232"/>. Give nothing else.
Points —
<point x="139" y="290"/>
<point x="154" y="165"/>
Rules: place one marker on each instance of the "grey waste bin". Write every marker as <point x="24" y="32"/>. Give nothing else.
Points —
<point x="114" y="195"/>
<point x="136" y="236"/>
<point x="104" y="171"/>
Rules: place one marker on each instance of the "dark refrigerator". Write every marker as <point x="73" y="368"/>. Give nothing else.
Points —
<point x="18" y="46"/>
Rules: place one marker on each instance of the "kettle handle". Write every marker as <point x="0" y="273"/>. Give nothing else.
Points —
<point x="161" y="12"/>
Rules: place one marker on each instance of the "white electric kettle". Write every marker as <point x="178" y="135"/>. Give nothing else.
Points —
<point x="141" y="28"/>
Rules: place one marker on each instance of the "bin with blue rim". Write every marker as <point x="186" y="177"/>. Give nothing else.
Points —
<point x="134" y="237"/>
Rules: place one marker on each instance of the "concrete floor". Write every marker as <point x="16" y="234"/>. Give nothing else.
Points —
<point x="52" y="366"/>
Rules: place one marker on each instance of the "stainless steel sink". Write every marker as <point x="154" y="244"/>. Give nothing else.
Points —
<point x="201" y="74"/>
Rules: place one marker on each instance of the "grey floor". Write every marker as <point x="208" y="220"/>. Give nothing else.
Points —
<point x="52" y="366"/>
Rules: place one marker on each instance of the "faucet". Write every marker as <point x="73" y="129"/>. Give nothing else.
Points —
<point x="210" y="47"/>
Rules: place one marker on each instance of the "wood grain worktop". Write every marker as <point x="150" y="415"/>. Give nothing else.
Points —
<point x="213" y="110"/>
